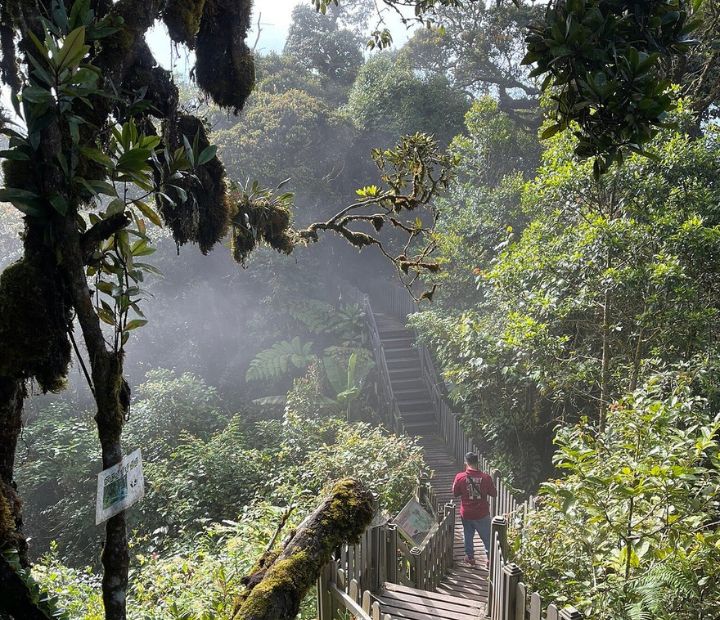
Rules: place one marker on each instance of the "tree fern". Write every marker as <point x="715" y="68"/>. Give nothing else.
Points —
<point x="346" y="374"/>
<point x="346" y="323"/>
<point x="312" y="313"/>
<point x="277" y="361"/>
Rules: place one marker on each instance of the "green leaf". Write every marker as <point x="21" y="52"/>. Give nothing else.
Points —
<point x="15" y="155"/>
<point x="134" y="160"/>
<point x="97" y="156"/>
<point x="549" y="132"/>
<point x="38" y="44"/>
<point x="115" y="206"/>
<point x="134" y="324"/>
<point x="59" y="203"/>
<point x="207" y="154"/>
<point x="72" y="51"/>
<point x="106" y="316"/>
<point x="23" y="200"/>
<point x="36" y="94"/>
<point x="148" y="212"/>
<point x="141" y="248"/>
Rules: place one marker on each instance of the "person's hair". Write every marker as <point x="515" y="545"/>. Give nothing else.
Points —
<point x="471" y="458"/>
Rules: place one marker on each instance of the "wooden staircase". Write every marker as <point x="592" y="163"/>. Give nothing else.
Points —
<point x="462" y="594"/>
<point x="403" y="364"/>
<point x="381" y="577"/>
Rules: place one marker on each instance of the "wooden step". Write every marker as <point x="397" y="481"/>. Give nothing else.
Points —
<point x="404" y="372"/>
<point x="408" y="362"/>
<point x="392" y="331"/>
<point x="417" y="407"/>
<point x="414" y="604"/>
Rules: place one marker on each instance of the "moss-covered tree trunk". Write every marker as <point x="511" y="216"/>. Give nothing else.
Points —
<point x="16" y="599"/>
<point x="12" y="395"/>
<point x="275" y="593"/>
<point x="112" y="397"/>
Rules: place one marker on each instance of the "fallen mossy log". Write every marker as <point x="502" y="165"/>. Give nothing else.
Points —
<point x="278" y="587"/>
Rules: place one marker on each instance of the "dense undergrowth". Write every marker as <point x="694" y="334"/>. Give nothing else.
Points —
<point x="575" y="324"/>
<point x="218" y="485"/>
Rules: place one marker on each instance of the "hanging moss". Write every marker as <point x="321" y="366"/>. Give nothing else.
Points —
<point x="19" y="174"/>
<point x="182" y="18"/>
<point x="203" y="217"/>
<point x="225" y="68"/>
<point x="242" y="243"/>
<point x="33" y="325"/>
<point x="260" y="220"/>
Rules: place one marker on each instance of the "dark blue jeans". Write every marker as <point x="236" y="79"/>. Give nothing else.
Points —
<point x="482" y="527"/>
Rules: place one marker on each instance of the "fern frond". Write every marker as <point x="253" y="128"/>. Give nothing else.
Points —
<point x="275" y="363"/>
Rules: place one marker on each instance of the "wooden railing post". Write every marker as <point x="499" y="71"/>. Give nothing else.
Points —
<point x="499" y="524"/>
<point x="512" y="576"/>
<point x="422" y="492"/>
<point x="391" y="551"/>
<point x="494" y="500"/>
<point x="450" y="549"/>
<point x="418" y="567"/>
<point x="326" y="609"/>
<point x="381" y="555"/>
<point x="498" y="545"/>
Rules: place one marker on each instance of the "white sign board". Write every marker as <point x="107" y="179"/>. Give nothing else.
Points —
<point x="119" y="487"/>
<point x="414" y="521"/>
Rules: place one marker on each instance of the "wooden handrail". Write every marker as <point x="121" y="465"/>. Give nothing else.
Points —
<point x="392" y="414"/>
<point x="336" y="594"/>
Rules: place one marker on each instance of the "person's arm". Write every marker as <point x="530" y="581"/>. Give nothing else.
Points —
<point x="489" y="485"/>
<point x="457" y="489"/>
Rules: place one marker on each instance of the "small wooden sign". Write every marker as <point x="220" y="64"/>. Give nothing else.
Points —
<point x="119" y="487"/>
<point x="414" y="522"/>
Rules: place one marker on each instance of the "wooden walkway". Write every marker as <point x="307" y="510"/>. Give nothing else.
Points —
<point x="462" y="594"/>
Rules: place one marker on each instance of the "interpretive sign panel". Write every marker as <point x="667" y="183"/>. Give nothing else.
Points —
<point x="119" y="487"/>
<point x="414" y="521"/>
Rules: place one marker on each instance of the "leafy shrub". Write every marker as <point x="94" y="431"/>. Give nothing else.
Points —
<point x="76" y="592"/>
<point x="167" y="407"/>
<point x="389" y="465"/>
<point x="203" y="480"/>
<point x="631" y="530"/>
<point x="56" y="473"/>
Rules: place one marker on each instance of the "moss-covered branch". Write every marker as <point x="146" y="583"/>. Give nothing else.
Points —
<point x="342" y="517"/>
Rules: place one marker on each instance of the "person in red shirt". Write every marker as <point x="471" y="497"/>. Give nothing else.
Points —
<point x="473" y="487"/>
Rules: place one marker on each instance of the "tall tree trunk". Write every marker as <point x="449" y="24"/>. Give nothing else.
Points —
<point x="112" y="398"/>
<point x="12" y="395"/>
<point x="637" y="358"/>
<point x="605" y="372"/>
<point x="16" y="599"/>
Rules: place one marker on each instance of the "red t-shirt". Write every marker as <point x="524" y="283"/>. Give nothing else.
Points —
<point x="473" y="495"/>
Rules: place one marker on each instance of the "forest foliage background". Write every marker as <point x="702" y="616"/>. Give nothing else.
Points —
<point x="575" y="324"/>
